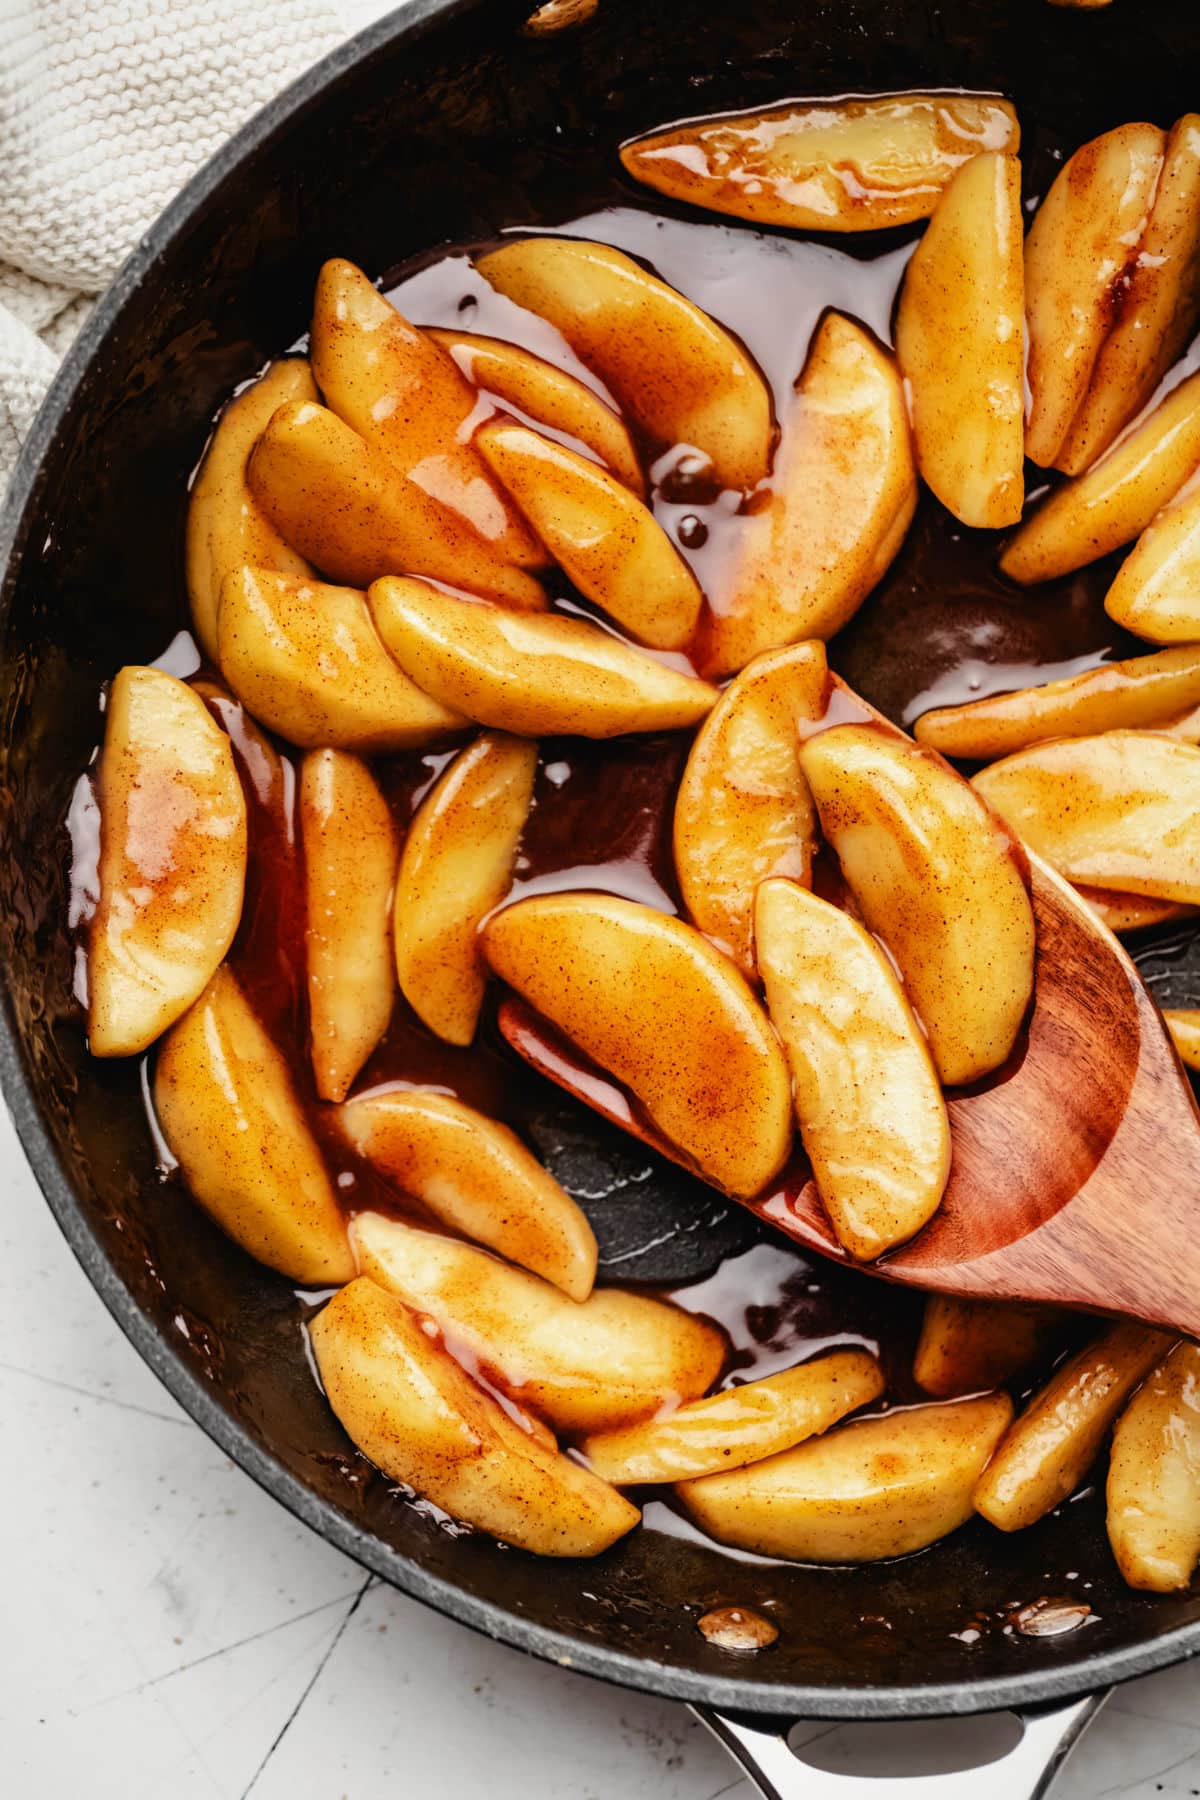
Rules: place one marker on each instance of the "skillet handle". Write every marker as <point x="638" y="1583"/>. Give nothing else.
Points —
<point x="1024" y="1772"/>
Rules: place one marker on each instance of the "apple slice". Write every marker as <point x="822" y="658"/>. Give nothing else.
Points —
<point x="585" y="1365"/>
<point x="1121" y="810"/>
<point x="650" y="1000"/>
<point x="419" y="1417"/>
<point x="476" y="1176"/>
<point x="1086" y="518"/>
<point x="228" y="1110"/>
<point x="744" y="811"/>
<point x="740" y="1425"/>
<point x="1059" y="1435"/>
<point x="966" y="1346"/>
<point x="456" y="866"/>
<point x="1130" y="912"/>
<point x="1156" y="593"/>
<point x="872" y="1489"/>
<point x="226" y="527"/>
<point x="959" y="340"/>
<point x="356" y="516"/>
<point x="350" y="851"/>
<point x="1184" y="1026"/>
<point x="936" y="876"/>
<point x="557" y="402"/>
<point x="609" y="544"/>
<point x="543" y="676"/>
<point x="825" y="165"/>
<point x="1154" y="1477"/>
<point x="1157" y="307"/>
<point x="1078" y="256"/>
<point x="306" y="659"/>
<point x="844" y="490"/>
<point x="870" y="1110"/>
<point x="1143" y="692"/>
<point x="172" y="860"/>
<point x="675" y="374"/>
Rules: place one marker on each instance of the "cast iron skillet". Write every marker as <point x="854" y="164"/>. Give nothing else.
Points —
<point x="445" y="123"/>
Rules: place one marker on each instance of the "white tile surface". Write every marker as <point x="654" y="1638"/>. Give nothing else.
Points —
<point x="172" y="1634"/>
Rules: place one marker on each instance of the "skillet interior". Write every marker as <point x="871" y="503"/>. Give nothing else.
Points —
<point x="452" y="127"/>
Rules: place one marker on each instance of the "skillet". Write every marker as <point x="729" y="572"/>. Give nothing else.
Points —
<point x="445" y="123"/>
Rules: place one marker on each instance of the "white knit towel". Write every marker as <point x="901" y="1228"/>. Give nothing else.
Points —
<point x="106" y="108"/>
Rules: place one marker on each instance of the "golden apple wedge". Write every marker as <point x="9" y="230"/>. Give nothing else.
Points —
<point x="1121" y="810"/>
<point x="350" y="851"/>
<point x="172" y="860"/>
<point x="306" y="659"/>
<point x="457" y="865"/>
<point x="1058" y="1437"/>
<point x="1184" y="1025"/>
<point x="743" y="811"/>
<point x="825" y="165"/>
<point x="357" y="516"/>
<point x="677" y="376"/>
<point x="476" y="1176"/>
<point x="556" y="401"/>
<point x="608" y="543"/>
<point x="1154" y="1477"/>
<point x="651" y="1000"/>
<point x="230" y="1115"/>
<point x="936" y="876"/>
<point x="738" y="1426"/>
<point x="419" y="1417"/>
<point x="408" y="399"/>
<point x="871" y="1489"/>
<point x="226" y="527"/>
<point x="1143" y="692"/>
<point x="1157" y="307"/>
<point x="1156" y="593"/>
<point x="867" y="1097"/>
<point x="959" y="341"/>
<point x="1130" y="912"/>
<point x="843" y="493"/>
<point x="583" y="1365"/>
<point x="966" y="1346"/>
<point x="1086" y="518"/>
<point x="1080" y="250"/>
<point x="536" y="676"/>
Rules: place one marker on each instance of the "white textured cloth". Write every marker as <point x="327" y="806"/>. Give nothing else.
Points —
<point x="106" y="108"/>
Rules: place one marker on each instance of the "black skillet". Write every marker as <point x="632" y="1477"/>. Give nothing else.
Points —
<point x="446" y="123"/>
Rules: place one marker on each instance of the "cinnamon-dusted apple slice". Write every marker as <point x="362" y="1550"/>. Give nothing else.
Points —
<point x="825" y="165"/>
<point x="740" y="1425"/>
<point x="1154" y="1477"/>
<point x="744" y="811"/>
<point x="1157" y="306"/>
<point x="1184" y="1026"/>
<point x="306" y="659"/>
<point x="1080" y="250"/>
<point x="844" y="491"/>
<point x="650" y="1000"/>
<point x="1086" y="518"/>
<point x="418" y="1416"/>
<point x="959" y="340"/>
<point x="868" y="1103"/>
<point x="226" y="527"/>
<point x="356" y="516"/>
<point x="871" y="1489"/>
<point x="1058" y="1437"/>
<point x="553" y="399"/>
<point x="229" y="1113"/>
<point x="456" y="866"/>
<point x="172" y="860"/>
<point x="584" y="1365"/>
<point x="1121" y="810"/>
<point x="1130" y="912"/>
<point x="937" y="877"/>
<point x="350" y="851"/>
<point x="476" y="1176"/>
<point x="674" y="372"/>
<point x="537" y="676"/>
<point x="609" y="544"/>
<point x="968" y="1345"/>
<point x="1144" y="692"/>
<point x="1156" y="593"/>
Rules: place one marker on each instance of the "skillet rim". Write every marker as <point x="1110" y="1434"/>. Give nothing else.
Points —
<point x="18" y="525"/>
